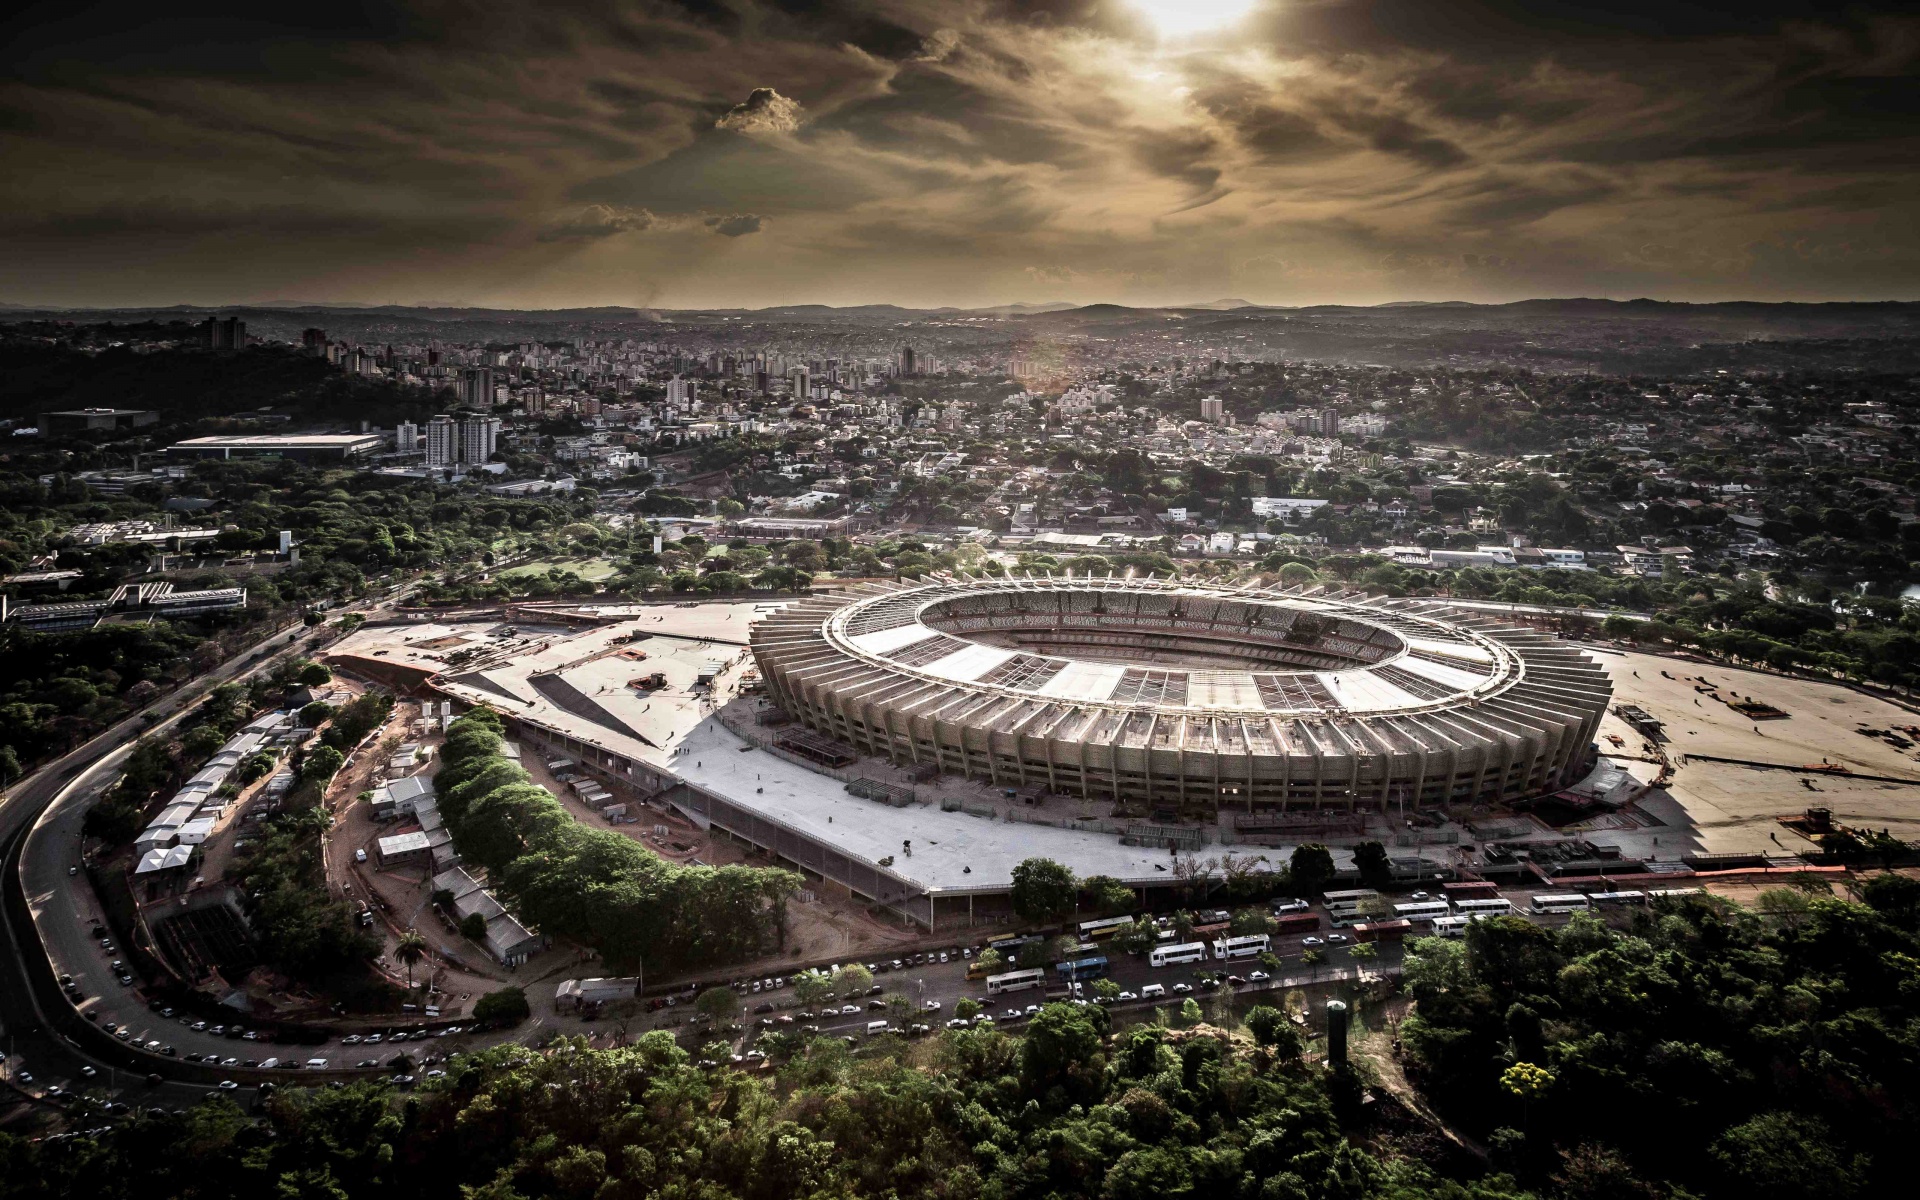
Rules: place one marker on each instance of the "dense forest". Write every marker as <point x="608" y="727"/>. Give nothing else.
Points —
<point x="1707" y="1051"/>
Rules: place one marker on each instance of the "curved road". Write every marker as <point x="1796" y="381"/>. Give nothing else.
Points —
<point x="35" y="1019"/>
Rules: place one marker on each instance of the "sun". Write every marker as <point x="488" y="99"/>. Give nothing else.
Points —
<point x="1178" y="18"/>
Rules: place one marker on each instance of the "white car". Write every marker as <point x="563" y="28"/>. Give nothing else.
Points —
<point x="1127" y="996"/>
<point x="931" y="1006"/>
<point x="1182" y="989"/>
<point x="1257" y="977"/>
<point x="849" y="1010"/>
<point x="1336" y="939"/>
<point x="1311" y="941"/>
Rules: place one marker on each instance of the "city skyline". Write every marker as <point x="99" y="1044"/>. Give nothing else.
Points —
<point x="747" y="154"/>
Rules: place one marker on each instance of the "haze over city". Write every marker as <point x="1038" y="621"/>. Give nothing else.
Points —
<point x="746" y="153"/>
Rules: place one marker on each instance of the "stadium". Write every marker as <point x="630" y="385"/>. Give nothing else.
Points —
<point x="1173" y="697"/>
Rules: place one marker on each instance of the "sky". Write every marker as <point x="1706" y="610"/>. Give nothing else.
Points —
<point x="748" y="153"/>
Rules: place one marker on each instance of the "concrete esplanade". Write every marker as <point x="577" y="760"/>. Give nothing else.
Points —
<point x="1167" y="694"/>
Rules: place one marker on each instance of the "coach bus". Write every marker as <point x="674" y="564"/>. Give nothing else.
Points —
<point x="1382" y="931"/>
<point x="1016" y="981"/>
<point x="1559" y="902"/>
<point x="1423" y="910"/>
<point x="1173" y="956"/>
<point x="1617" y="899"/>
<point x="1241" y="947"/>
<point x="1079" y="970"/>
<point x="1095" y="930"/>
<point x="1484" y="908"/>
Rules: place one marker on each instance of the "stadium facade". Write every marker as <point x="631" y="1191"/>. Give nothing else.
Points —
<point x="1170" y="695"/>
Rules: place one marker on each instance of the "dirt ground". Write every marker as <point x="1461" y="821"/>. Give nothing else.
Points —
<point x="1729" y="808"/>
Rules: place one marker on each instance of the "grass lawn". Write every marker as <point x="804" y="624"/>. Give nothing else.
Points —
<point x="593" y="570"/>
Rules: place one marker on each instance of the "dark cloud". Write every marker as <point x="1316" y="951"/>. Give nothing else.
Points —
<point x="735" y="225"/>
<point x="927" y="150"/>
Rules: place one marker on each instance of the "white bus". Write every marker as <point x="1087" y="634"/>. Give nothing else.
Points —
<point x="1171" y="956"/>
<point x="1456" y="926"/>
<point x="1090" y="930"/>
<point x="1671" y="893"/>
<point x="1560" y="902"/>
<point x="1423" y="910"/>
<point x="1241" y="947"/>
<point x="1617" y="899"/>
<point x="1016" y="981"/>
<point x="1485" y="908"/>
<point x="1350" y="899"/>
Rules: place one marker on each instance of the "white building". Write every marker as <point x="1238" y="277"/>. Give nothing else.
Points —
<point x="1283" y="506"/>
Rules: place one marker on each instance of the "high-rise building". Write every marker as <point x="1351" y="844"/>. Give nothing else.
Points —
<point x="477" y="437"/>
<point x="1212" y="408"/>
<point x="313" y="341"/>
<point x="443" y="445"/>
<point x="406" y="437"/>
<point x="906" y="361"/>
<point x="224" y="333"/>
<point x="476" y="387"/>
<point x="681" y="391"/>
<point x="1330" y="422"/>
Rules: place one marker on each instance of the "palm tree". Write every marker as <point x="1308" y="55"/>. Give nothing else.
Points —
<point x="410" y="950"/>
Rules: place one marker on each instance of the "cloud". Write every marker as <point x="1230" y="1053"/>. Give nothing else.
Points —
<point x="764" y="111"/>
<point x="734" y="225"/>
<point x="597" y="221"/>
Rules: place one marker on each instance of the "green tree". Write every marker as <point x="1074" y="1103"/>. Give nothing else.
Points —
<point x="507" y="1006"/>
<point x="321" y="764"/>
<point x="1370" y="859"/>
<point x="852" y="979"/>
<point x="312" y="674"/>
<point x="410" y="949"/>
<point x="1109" y="896"/>
<point x="1043" y="891"/>
<point x="1788" y="1156"/>
<point x="966" y="1008"/>
<point x="473" y="927"/>
<point x="717" y="1003"/>
<point x="1310" y="868"/>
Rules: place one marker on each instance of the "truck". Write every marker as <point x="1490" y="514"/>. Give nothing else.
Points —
<point x="575" y="994"/>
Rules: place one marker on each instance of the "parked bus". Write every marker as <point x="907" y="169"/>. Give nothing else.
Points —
<point x="1382" y="931"/>
<point x="1671" y="893"/>
<point x="1452" y="927"/>
<point x="1297" y="923"/>
<point x="1016" y="981"/>
<point x="1095" y="930"/>
<point x="1492" y="907"/>
<point x="1173" y="956"/>
<point x="1241" y="947"/>
<point x="1423" y="910"/>
<point x="1009" y="943"/>
<point x="1350" y="899"/>
<point x="1559" y="902"/>
<point x="1212" y="929"/>
<point x="1081" y="969"/>
<point x="1473" y="889"/>
<point x="1617" y="899"/>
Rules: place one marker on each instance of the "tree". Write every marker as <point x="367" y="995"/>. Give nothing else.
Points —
<point x="966" y="1008"/>
<point x="852" y="979"/>
<point x="473" y="927"/>
<point x="313" y="674"/>
<point x="321" y="764"/>
<point x="991" y="961"/>
<point x="1043" y="891"/>
<point x="1190" y="1013"/>
<point x="1786" y="1156"/>
<point x="1370" y="859"/>
<point x="1106" y="990"/>
<point x="507" y="1006"/>
<point x="410" y="949"/>
<point x="1311" y="867"/>
<point x="717" y="1003"/>
<point x="315" y="715"/>
<point x="899" y="1008"/>
<point x="1110" y="897"/>
<point x="813" y="987"/>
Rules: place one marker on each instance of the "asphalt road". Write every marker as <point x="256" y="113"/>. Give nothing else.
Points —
<point x="33" y="1045"/>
